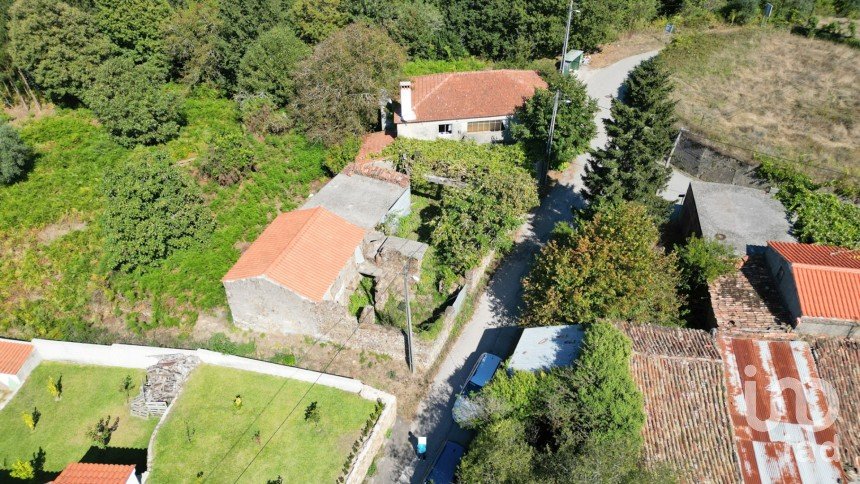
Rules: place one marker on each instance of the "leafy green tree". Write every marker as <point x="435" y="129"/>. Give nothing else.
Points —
<point x="499" y="453"/>
<point x="630" y="166"/>
<point x="574" y="126"/>
<point x="135" y="26"/>
<point x="315" y="20"/>
<point x="339" y="88"/>
<point x="15" y="156"/>
<point x="58" y="45"/>
<point x="133" y="103"/>
<point x="270" y="62"/>
<point x="240" y="22"/>
<point x="609" y="267"/>
<point x="191" y="40"/>
<point x="152" y="210"/>
<point x="419" y="26"/>
<point x="230" y="157"/>
<point x="101" y="433"/>
<point x="741" y="11"/>
<point x="702" y="261"/>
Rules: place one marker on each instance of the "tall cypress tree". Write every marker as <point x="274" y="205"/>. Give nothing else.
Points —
<point x="640" y="135"/>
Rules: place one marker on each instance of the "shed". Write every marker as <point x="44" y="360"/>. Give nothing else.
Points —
<point x="302" y="267"/>
<point x="743" y="218"/>
<point x="87" y="473"/>
<point x="361" y="200"/>
<point x="17" y="360"/>
<point x="572" y="61"/>
<point x="547" y="347"/>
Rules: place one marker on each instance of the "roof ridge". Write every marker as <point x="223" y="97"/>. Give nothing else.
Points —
<point x="445" y="77"/>
<point x="821" y="267"/>
<point x="316" y="213"/>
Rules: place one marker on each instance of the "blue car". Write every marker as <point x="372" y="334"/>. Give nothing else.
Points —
<point x="444" y="470"/>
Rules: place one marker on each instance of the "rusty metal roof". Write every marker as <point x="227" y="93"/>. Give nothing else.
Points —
<point x="781" y="415"/>
<point x="13" y="354"/>
<point x="302" y="250"/>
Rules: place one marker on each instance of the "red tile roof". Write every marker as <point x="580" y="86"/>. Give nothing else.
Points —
<point x="13" y="354"/>
<point x="782" y="419"/>
<point x="748" y="300"/>
<point x="80" y="473"/>
<point x="478" y="94"/>
<point x="373" y="144"/>
<point x="302" y="250"/>
<point x="827" y="279"/>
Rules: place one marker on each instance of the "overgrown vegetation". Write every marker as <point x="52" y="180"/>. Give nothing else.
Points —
<point x="701" y="262"/>
<point x="574" y="424"/>
<point x="489" y="190"/>
<point x="608" y="267"/>
<point x="819" y="217"/>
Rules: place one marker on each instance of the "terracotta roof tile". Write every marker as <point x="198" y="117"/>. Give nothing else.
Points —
<point x="827" y="279"/>
<point x="373" y="144"/>
<point x="671" y="342"/>
<point x="303" y="250"/>
<point x="81" y="473"/>
<point x="839" y="365"/>
<point x="478" y="94"/>
<point x="13" y="354"/>
<point x="748" y="300"/>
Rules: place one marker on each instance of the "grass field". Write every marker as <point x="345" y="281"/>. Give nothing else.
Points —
<point x="205" y="433"/>
<point x="774" y="92"/>
<point x="51" y="245"/>
<point x="89" y="393"/>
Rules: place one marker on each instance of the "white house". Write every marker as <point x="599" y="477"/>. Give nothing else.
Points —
<point x="80" y="472"/>
<point x="17" y="360"/>
<point x="463" y="105"/>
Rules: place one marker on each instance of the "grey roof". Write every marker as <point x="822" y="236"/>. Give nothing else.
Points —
<point x="572" y="54"/>
<point x="359" y="199"/>
<point x="744" y="218"/>
<point x="547" y="347"/>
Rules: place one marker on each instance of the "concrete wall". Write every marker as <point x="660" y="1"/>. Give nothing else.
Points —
<point x="430" y="130"/>
<point x="781" y="272"/>
<point x="828" y="327"/>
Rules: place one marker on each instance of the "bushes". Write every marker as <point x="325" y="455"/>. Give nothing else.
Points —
<point x="702" y="261"/>
<point x="229" y="158"/>
<point x="267" y="67"/>
<point x="132" y="103"/>
<point x="608" y="267"/>
<point x="342" y="154"/>
<point x="152" y="211"/>
<point x="15" y="156"/>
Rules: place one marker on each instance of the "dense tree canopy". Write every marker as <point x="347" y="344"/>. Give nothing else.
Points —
<point x="315" y="20"/>
<point x="340" y="87"/>
<point x="269" y="64"/>
<point x="59" y="45"/>
<point x="152" y="210"/>
<point x="132" y="102"/>
<point x="574" y="127"/>
<point x="240" y="22"/>
<point x="14" y="155"/>
<point x="606" y="268"/>
<point x="192" y="43"/>
<point x="135" y="26"/>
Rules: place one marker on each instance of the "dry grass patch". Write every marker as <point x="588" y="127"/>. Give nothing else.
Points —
<point x="773" y="92"/>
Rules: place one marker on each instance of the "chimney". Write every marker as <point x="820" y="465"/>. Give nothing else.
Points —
<point x="406" y="112"/>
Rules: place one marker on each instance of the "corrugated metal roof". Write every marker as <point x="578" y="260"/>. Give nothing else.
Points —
<point x="81" y="473"/>
<point x="781" y="417"/>
<point x="547" y="347"/>
<point x="477" y="94"/>
<point x="13" y="354"/>
<point x="303" y="250"/>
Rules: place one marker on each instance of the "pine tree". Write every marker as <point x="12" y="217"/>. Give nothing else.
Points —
<point x="640" y="135"/>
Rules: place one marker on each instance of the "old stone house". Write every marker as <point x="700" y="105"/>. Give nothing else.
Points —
<point x="463" y="105"/>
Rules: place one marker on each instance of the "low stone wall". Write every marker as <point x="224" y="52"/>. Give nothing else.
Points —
<point x="131" y="356"/>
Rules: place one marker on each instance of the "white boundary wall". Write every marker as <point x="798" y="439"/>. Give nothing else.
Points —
<point x="131" y="356"/>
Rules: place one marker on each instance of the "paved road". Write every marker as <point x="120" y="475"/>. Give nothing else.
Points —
<point x="493" y="326"/>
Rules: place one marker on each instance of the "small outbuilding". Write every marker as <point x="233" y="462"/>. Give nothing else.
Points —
<point x="87" y="473"/>
<point x="17" y="360"/>
<point x="362" y="200"/>
<point x="547" y="347"/>
<point x="297" y="274"/>
<point x="742" y="218"/>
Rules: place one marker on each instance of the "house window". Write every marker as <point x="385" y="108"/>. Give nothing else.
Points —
<point x="445" y="129"/>
<point x="484" y="126"/>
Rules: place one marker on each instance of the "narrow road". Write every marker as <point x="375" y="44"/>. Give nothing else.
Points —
<point x="493" y="326"/>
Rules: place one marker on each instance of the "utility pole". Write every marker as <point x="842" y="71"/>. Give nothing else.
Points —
<point x="408" y="317"/>
<point x="544" y="171"/>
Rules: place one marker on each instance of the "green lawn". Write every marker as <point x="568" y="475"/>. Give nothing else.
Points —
<point x="89" y="393"/>
<point x="201" y="430"/>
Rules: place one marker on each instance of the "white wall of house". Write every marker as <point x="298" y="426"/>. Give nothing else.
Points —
<point x="459" y="130"/>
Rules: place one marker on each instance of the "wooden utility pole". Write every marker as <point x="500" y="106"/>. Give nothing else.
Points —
<point x="544" y="169"/>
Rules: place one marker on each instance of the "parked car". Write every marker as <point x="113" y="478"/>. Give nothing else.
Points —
<point x="481" y="374"/>
<point x="444" y="469"/>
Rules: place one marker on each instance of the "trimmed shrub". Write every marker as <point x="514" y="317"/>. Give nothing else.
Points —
<point x="15" y="156"/>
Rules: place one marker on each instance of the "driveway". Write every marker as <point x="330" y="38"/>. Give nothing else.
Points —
<point x="493" y="326"/>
